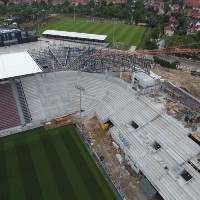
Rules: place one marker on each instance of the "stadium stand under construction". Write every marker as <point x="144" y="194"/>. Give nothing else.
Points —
<point x="154" y="142"/>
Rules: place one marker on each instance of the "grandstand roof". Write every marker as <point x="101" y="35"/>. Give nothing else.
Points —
<point x="17" y="64"/>
<point x="75" y="35"/>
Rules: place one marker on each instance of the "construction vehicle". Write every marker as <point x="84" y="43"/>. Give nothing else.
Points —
<point x="195" y="72"/>
<point x="60" y="119"/>
<point x="65" y="117"/>
<point x="105" y="126"/>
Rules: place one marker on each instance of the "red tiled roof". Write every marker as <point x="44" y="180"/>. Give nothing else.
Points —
<point x="56" y="2"/>
<point x="172" y="19"/>
<point x="191" y="22"/>
<point x="161" y="3"/>
<point x="175" y="6"/>
<point x="119" y="1"/>
<point x="195" y="14"/>
<point x="116" y="1"/>
<point x="169" y="28"/>
<point x="193" y="3"/>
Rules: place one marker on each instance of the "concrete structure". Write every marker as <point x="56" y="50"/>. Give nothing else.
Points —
<point x="17" y="64"/>
<point x="153" y="142"/>
<point x="74" y="36"/>
<point x="144" y="80"/>
<point x="9" y="36"/>
<point x="169" y="30"/>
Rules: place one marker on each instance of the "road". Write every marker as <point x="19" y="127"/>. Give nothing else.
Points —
<point x="41" y="43"/>
<point x="185" y="62"/>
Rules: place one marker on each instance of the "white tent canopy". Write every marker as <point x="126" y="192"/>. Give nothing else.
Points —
<point x="74" y="35"/>
<point x="17" y="64"/>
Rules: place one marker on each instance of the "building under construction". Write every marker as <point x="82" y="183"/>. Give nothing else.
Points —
<point x="147" y="124"/>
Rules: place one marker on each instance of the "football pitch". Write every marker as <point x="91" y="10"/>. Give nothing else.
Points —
<point x="122" y="33"/>
<point x="49" y="165"/>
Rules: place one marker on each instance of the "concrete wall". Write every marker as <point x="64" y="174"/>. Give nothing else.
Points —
<point x="189" y="100"/>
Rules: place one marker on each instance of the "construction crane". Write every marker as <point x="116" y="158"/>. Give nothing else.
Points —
<point x="98" y="60"/>
<point x="152" y="52"/>
<point x="170" y="50"/>
<point x="167" y="51"/>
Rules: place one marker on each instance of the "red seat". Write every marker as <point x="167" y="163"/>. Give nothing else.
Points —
<point x="9" y="116"/>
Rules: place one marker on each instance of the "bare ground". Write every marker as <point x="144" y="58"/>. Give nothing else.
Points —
<point x="102" y="144"/>
<point x="181" y="78"/>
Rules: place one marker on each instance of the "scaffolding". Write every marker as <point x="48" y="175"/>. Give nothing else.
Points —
<point x="89" y="59"/>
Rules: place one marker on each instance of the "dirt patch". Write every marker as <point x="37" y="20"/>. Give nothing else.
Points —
<point x="181" y="78"/>
<point x="102" y="143"/>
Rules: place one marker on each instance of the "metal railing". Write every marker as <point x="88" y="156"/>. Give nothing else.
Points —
<point x="118" y="192"/>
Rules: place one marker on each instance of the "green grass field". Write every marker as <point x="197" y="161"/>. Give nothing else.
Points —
<point x="49" y="165"/>
<point x="126" y="34"/>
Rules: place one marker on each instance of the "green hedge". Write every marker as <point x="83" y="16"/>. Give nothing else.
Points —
<point x="164" y="63"/>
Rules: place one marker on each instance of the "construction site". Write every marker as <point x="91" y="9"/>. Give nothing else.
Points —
<point x="137" y="118"/>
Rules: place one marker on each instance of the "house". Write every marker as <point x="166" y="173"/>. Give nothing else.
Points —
<point x="173" y="21"/>
<point x="76" y="2"/>
<point x="149" y="3"/>
<point x="195" y="4"/>
<point x="193" y="26"/>
<point x="161" y="7"/>
<point x="193" y="30"/>
<point x="195" y="14"/>
<point x="169" y="30"/>
<point x="191" y="23"/>
<point x="119" y="1"/>
<point x="175" y="7"/>
<point x="188" y="13"/>
<point x="56" y="2"/>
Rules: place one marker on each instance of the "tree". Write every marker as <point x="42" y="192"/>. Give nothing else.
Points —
<point x="166" y="7"/>
<point x="164" y="63"/>
<point x="181" y="31"/>
<point x="176" y="15"/>
<point x="3" y="9"/>
<point x="197" y="36"/>
<point x="91" y="3"/>
<point x="150" y="44"/>
<point x="5" y="1"/>
<point x="34" y="4"/>
<point x="66" y="3"/>
<point x="164" y="19"/>
<point x="178" y="41"/>
<point x="43" y="4"/>
<point x="182" y="22"/>
<point x="174" y="2"/>
<point x="155" y="33"/>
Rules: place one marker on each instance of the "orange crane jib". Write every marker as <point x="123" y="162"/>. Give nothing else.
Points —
<point x="139" y="52"/>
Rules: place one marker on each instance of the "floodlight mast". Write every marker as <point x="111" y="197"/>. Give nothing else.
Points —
<point x="81" y="89"/>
